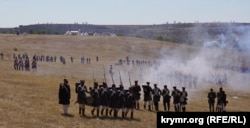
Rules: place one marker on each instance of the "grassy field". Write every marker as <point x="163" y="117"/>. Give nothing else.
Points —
<point x="29" y="99"/>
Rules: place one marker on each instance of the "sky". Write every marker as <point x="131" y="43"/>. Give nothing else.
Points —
<point x="122" y="12"/>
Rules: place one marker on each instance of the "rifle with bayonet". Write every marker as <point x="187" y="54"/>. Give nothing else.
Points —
<point x="94" y="77"/>
<point x="120" y="77"/>
<point x="104" y="74"/>
<point x="129" y="79"/>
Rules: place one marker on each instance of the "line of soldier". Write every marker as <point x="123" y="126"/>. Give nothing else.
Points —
<point x="154" y="95"/>
<point x="137" y="62"/>
<point x="87" y="60"/>
<point x="107" y="101"/>
<point x="22" y="62"/>
<point x="216" y="78"/>
<point x="38" y="58"/>
<point x="180" y="79"/>
<point x="102" y="96"/>
<point x="110" y="100"/>
<point x="45" y="58"/>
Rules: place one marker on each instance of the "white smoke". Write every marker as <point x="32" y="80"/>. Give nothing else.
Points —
<point x="222" y="51"/>
<point x="219" y="42"/>
<point x="236" y="37"/>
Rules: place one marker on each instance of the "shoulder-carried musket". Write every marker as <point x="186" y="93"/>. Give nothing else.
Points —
<point x="120" y="78"/>
<point x="94" y="77"/>
<point x="104" y="74"/>
<point x="129" y="79"/>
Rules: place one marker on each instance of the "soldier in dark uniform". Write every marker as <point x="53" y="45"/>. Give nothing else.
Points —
<point x="219" y="100"/>
<point x="16" y="64"/>
<point x="96" y="103"/>
<point x="130" y="103"/>
<point x="121" y="100"/>
<point x="156" y="96"/>
<point x="147" y="96"/>
<point x="136" y="90"/>
<point x="97" y="58"/>
<point x="104" y="98"/>
<point x="1" y="54"/>
<point x="34" y="63"/>
<point x="223" y="101"/>
<point x="64" y="96"/>
<point x="20" y="64"/>
<point x="176" y="96"/>
<point x="183" y="99"/>
<point x="27" y="64"/>
<point x="81" y="97"/>
<point x="71" y="58"/>
<point x="113" y="100"/>
<point x="211" y="100"/>
<point x="166" y="98"/>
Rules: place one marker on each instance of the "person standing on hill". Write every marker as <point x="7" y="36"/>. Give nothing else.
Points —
<point x="147" y="96"/>
<point x="211" y="100"/>
<point x="156" y="96"/>
<point x="81" y="96"/>
<point x="97" y="58"/>
<point x="166" y="98"/>
<point x="130" y="103"/>
<point x="219" y="100"/>
<point x="183" y="99"/>
<point x="176" y="98"/>
<point x="104" y="98"/>
<point x="96" y="96"/>
<point x="136" y="90"/>
<point x="71" y="58"/>
<point x="64" y="96"/>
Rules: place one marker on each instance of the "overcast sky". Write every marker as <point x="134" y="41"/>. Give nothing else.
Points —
<point x="121" y="12"/>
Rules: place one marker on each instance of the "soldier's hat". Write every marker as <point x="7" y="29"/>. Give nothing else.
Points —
<point x="183" y="87"/>
<point x="174" y="87"/>
<point x="148" y="82"/>
<point x="155" y="84"/>
<point x="165" y="86"/>
<point x="220" y="88"/>
<point x="65" y="81"/>
<point x="136" y="81"/>
<point x="104" y="83"/>
<point x="121" y="87"/>
<point x="95" y="83"/>
<point x="82" y="81"/>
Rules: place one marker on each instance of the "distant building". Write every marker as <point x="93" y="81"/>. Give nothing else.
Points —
<point x="73" y="32"/>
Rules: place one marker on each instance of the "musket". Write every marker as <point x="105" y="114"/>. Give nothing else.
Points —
<point x="111" y="74"/>
<point x="94" y="77"/>
<point x="120" y="77"/>
<point x="129" y="79"/>
<point x="112" y="78"/>
<point x="104" y="75"/>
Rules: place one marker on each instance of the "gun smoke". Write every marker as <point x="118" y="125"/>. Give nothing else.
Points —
<point x="222" y="60"/>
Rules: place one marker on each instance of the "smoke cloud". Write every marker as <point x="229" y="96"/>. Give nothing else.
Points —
<point x="217" y="62"/>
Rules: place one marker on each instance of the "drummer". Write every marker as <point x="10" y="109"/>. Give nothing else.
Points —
<point x="81" y="97"/>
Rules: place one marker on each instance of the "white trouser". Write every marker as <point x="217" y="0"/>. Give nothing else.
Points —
<point x="147" y="102"/>
<point x="65" y="109"/>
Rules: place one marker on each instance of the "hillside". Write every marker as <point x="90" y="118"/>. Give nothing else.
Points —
<point x="30" y="98"/>
<point x="198" y="34"/>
